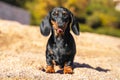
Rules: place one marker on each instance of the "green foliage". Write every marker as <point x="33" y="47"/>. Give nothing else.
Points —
<point x="104" y="11"/>
<point x="100" y="5"/>
<point x="101" y="30"/>
<point x="94" y="21"/>
<point x="107" y="20"/>
<point x="85" y="28"/>
<point x="77" y="7"/>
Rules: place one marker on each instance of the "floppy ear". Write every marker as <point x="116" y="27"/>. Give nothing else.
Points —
<point x="74" y="25"/>
<point x="45" y="26"/>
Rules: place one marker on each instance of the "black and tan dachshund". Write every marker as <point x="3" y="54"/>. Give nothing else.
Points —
<point x="61" y="48"/>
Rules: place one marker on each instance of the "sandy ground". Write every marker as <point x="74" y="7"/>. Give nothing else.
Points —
<point x="22" y="55"/>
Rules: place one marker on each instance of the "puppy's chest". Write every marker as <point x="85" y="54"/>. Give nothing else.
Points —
<point x="61" y="47"/>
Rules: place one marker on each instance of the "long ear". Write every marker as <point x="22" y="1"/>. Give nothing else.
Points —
<point x="45" y="26"/>
<point x="74" y="25"/>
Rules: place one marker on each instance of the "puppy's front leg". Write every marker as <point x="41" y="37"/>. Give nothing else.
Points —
<point x="50" y="66"/>
<point x="68" y="67"/>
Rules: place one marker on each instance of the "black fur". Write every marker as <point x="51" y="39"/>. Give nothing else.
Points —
<point x="60" y="48"/>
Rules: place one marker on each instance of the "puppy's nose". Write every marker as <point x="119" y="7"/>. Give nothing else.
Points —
<point x="60" y="22"/>
<point x="60" y="25"/>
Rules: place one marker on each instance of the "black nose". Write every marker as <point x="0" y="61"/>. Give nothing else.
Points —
<point x="60" y="22"/>
<point x="60" y="25"/>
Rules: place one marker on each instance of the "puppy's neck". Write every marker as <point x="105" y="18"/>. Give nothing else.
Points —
<point x="59" y="38"/>
<point x="60" y="41"/>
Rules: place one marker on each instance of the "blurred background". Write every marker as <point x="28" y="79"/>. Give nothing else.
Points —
<point x="97" y="16"/>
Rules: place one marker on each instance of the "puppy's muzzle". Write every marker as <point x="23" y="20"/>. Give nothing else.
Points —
<point x="60" y="22"/>
<point x="59" y="26"/>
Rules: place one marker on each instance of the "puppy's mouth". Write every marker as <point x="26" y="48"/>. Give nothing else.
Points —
<point x="59" y="30"/>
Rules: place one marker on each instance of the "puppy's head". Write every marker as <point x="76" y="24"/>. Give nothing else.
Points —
<point x="60" y="17"/>
<point x="58" y="20"/>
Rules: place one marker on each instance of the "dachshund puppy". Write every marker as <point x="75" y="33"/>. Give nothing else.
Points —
<point x="61" y="48"/>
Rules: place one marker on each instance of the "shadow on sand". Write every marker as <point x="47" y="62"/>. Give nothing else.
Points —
<point x="78" y="65"/>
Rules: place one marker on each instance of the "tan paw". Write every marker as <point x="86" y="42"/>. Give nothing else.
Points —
<point x="50" y="69"/>
<point x="68" y="70"/>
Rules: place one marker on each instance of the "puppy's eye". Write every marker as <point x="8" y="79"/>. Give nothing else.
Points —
<point x="55" y="14"/>
<point x="64" y="14"/>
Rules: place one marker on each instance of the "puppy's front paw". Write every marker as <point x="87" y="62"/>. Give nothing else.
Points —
<point x="50" y="69"/>
<point x="68" y="70"/>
